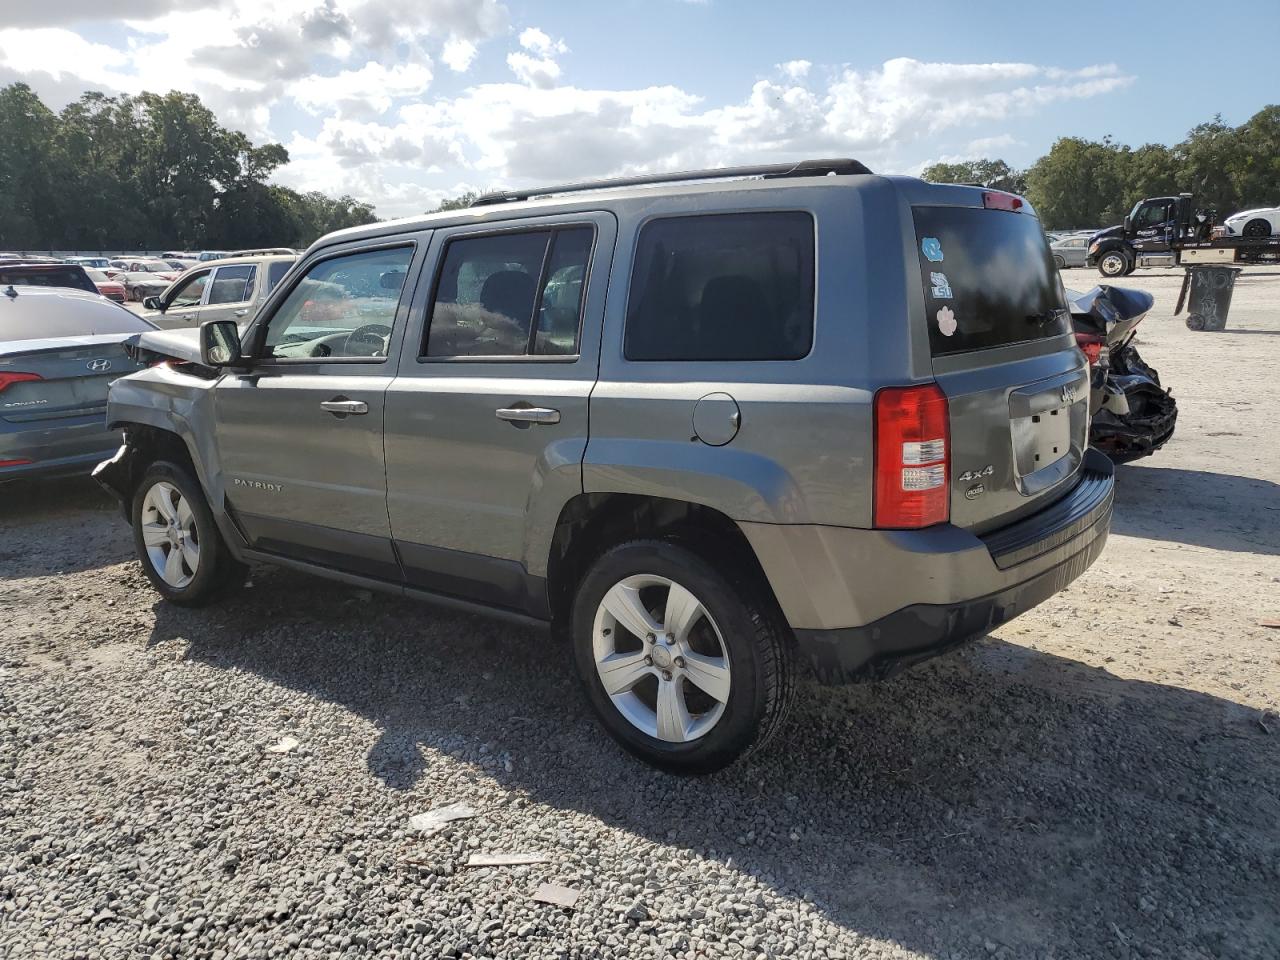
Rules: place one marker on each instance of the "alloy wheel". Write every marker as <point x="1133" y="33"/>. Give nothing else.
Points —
<point x="169" y="534"/>
<point x="661" y="658"/>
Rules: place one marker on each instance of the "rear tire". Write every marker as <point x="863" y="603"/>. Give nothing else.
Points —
<point x="1257" y="229"/>
<point x="1059" y="262"/>
<point x="1113" y="263"/>
<point x="176" y="539"/>
<point x="713" y="677"/>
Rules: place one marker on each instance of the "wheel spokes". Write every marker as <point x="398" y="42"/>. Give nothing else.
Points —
<point x="683" y="611"/>
<point x="162" y="497"/>
<point x="184" y="514"/>
<point x="155" y="534"/>
<point x="673" y="713"/>
<point x="173" y="572"/>
<point x="624" y="605"/>
<point x="708" y="674"/>
<point x="191" y="554"/>
<point x="619" y="672"/>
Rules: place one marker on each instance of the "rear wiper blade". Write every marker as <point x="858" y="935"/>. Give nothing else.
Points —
<point x="1040" y="319"/>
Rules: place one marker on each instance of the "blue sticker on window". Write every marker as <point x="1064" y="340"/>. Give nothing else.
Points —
<point x="941" y="286"/>
<point x="931" y="249"/>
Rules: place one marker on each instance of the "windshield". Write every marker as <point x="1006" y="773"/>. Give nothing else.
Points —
<point x="97" y="276"/>
<point x="156" y="267"/>
<point x="989" y="279"/>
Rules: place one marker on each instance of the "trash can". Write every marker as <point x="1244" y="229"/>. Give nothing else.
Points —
<point x="1210" y="287"/>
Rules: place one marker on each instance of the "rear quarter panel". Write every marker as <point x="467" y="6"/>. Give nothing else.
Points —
<point x="803" y="453"/>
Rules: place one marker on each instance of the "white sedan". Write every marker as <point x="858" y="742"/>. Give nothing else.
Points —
<point x="1254" y="224"/>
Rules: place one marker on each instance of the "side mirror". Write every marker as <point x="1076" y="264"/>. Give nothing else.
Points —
<point x="219" y="343"/>
<point x="1128" y="224"/>
<point x="152" y="303"/>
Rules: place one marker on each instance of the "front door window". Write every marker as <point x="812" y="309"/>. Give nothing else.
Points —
<point x="343" y="307"/>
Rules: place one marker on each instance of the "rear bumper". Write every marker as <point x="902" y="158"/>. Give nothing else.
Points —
<point x="865" y="603"/>
<point x="55" y="447"/>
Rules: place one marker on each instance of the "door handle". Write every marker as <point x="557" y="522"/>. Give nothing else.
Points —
<point x="240" y="313"/>
<point x="528" y="414"/>
<point x="341" y="407"/>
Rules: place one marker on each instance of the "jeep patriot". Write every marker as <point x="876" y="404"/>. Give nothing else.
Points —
<point x="713" y="427"/>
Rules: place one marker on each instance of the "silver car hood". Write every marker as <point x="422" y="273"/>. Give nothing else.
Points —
<point x="180" y="344"/>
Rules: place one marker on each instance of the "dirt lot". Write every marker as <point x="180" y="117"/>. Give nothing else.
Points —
<point x="1100" y="778"/>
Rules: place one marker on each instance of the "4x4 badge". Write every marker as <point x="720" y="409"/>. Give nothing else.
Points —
<point x="970" y="475"/>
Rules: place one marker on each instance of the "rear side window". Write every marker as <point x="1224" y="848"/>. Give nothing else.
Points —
<point x="232" y="284"/>
<point x="511" y="294"/>
<point x="989" y="279"/>
<point x="276" y="272"/>
<point x="735" y="286"/>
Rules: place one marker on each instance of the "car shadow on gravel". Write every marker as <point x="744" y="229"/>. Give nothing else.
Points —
<point x="63" y="517"/>
<point x="999" y="800"/>
<point x="1198" y="507"/>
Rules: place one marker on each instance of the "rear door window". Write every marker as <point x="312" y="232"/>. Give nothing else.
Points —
<point x="989" y="279"/>
<point x="733" y="286"/>
<point x="232" y="284"/>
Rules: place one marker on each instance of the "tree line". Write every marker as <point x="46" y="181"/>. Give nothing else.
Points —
<point x="1092" y="183"/>
<point x="146" y="172"/>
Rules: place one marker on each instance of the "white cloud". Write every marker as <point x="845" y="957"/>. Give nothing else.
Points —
<point x="538" y="43"/>
<point x="542" y="74"/>
<point x="34" y="13"/>
<point x="365" y="93"/>
<point x="458" y="54"/>
<point x="986" y="146"/>
<point x="363" y="72"/>
<point x="795" y="69"/>
<point x="58" y="52"/>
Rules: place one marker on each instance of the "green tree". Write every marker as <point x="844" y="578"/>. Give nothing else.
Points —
<point x="1079" y="183"/>
<point x="28" y="186"/>
<point x="456" y="203"/>
<point x="155" y="170"/>
<point x="995" y="174"/>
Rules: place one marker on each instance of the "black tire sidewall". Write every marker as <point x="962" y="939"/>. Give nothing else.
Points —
<point x="1109" y="255"/>
<point x="729" y="605"/>
<point x="1266" y="231"/>
<point x="214" y="561"/>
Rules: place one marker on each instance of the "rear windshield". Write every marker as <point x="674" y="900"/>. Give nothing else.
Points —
<point x="72" y="276"/>
<point x="989" y="279"/>
<point x="31" y="316"/>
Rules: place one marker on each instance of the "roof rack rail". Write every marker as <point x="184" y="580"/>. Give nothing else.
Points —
<point x="771" y="171"/>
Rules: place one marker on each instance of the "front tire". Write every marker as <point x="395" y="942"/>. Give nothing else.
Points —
<point x="1059" y="262"/>
<point x="174" y="534"/>
<point x="683" y="663"/>
<point x="1113" y="263"/>
<point x="1257" y="229"/>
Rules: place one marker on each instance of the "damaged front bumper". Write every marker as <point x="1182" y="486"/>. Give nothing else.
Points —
<point x="116" y="477"/>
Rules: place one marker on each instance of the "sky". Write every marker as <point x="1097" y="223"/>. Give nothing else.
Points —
<point x="405" y="104"/>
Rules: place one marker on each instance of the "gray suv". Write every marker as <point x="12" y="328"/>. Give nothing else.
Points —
<point x="711" y="426"/>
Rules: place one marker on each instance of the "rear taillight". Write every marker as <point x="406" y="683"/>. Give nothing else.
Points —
<point x="1091" y="345"/>
<point x="1001" y="201"/>
<point x="912" y="457"/>
<point x="14" y="463"/>
<point x="8" y="379"/>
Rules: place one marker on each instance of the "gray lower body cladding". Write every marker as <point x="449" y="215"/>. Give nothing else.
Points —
<point x="1080" y="523"/>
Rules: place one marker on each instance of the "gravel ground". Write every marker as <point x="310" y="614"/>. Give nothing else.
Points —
<point x="1100" y="778"/>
